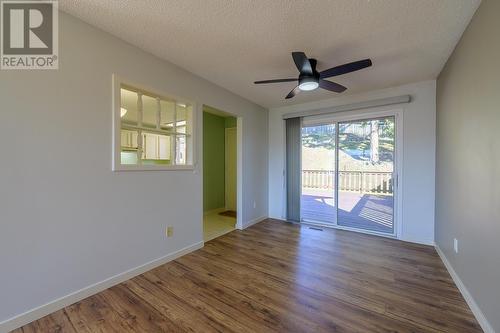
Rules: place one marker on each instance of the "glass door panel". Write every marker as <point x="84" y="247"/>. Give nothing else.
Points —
<point x="366" y="169"/>
<point x="318" y="173"/>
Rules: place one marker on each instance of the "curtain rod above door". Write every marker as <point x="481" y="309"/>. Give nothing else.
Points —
<point x="349" y="107"/>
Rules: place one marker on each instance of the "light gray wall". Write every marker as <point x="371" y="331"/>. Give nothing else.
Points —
<point x="67" y="220"/>
<point x="419" y="124"/>
<point x="468" y="160"/>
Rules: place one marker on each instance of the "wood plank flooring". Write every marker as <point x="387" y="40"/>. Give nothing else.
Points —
<point x="280" y="277"/>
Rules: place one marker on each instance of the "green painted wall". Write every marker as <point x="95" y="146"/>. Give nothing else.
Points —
<point x="213" y="161"/>
<point x="230" y="122"/>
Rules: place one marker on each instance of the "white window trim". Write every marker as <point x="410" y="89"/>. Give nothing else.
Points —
<point x="116" y="128"/>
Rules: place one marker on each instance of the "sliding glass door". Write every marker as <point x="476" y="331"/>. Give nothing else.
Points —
<point x="366" y="168"/>
<point x="318" y="173"/>
<point x="348" y="172"/>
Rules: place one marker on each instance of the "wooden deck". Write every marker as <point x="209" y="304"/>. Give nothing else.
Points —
<point x="356" y="210"/>
<point x="280" y="277"/>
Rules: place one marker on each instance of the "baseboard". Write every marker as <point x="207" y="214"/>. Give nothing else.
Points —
<point x="410" y="239"/>
<point x="48" y="308"/>
<point x="252" y="222"/>
<point x="485" y="325"/>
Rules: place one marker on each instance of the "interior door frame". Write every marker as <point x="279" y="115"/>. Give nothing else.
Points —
<point x="356" y="115"/>
<point x="198" y="152"/>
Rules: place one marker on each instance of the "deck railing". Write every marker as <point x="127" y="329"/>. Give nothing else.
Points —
<point x="351" y="181"/>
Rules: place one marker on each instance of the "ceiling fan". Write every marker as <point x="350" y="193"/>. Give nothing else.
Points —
<point x="310" y="79"/>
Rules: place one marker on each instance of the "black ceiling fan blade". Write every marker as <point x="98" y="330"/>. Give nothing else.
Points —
<point x="346" y="68"/>
<point x="292" y="93"/>
<point x="274" y="81"/>
<point x="332" y="86"/>
<point x="302" y="63"/>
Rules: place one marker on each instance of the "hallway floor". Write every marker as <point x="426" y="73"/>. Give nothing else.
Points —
<point x="215" y="225"/>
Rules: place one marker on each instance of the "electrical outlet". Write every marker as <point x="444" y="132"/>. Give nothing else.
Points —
<point x="254" y="205"/>
<point x="455" y="245"/>
<point x="170" y="231"/>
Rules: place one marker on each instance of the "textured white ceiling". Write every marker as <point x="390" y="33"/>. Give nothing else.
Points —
<point x="235" y="42"/>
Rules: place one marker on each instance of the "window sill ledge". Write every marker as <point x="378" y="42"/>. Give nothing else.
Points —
<point x="153" y="168"/>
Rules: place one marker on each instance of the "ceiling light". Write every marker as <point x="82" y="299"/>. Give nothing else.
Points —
<point x="181" y="105"/>
<point x="123" y="112"/>
<point x="308" y="84"/>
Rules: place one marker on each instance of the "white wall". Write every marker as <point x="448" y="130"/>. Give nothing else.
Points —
<point x="468" y="165"/>
<point x="419" y="143"/>
<point x="67" y="220"/>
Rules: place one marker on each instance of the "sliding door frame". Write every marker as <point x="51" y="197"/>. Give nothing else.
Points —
<point x="366" y="114"/>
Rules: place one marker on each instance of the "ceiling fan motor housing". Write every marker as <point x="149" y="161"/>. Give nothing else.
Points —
<point x="308" y="81"/>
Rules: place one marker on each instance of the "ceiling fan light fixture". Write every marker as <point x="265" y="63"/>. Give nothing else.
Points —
<point x="310" y="79"/>
<point x="308" y="84"/>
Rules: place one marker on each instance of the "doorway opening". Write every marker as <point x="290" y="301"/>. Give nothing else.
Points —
<point x="348" y="172"/>
<point x="219" y="173"/>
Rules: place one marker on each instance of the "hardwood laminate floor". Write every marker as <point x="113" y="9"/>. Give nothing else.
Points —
<point x="280" y="277"/>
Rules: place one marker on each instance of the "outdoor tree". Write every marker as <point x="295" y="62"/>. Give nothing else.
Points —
<point x="374" y="146"/>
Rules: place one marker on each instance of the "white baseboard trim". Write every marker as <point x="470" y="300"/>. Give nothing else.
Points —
<point x="485" y="325"/>
<point x="416" y="240"/>
<point x="251" y="222"/>
<point x="55" y="305"/>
